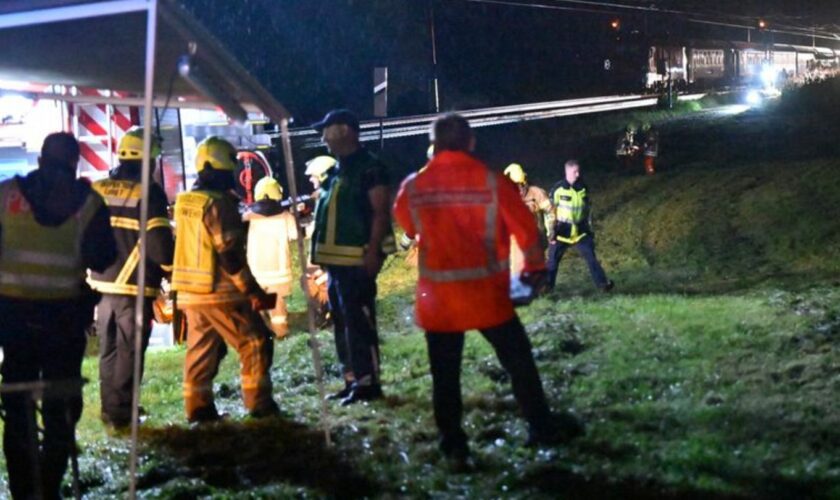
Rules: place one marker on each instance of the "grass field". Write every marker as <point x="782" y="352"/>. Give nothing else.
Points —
<point x="712" y="370"/>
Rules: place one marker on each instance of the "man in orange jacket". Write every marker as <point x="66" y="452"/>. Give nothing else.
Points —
<point x="463" y="216"/>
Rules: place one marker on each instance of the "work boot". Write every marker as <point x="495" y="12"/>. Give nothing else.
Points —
<point x="459" y="461"/>
<point x="206" y="416"/>
<point x="608" y="286"/>
<point x="559" y="429"/>
<point x="358" y="393"/>
<point x="343" y="393"/>
<point x="269" y="410"/>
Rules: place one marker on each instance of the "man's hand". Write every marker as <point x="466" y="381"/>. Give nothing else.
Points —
<point x="373" y="260"/>
<point x="535" y="279"/>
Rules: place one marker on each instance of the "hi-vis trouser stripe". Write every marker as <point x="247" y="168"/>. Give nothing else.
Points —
<point x="134" y="225"/>
<point x="489" y="198"/>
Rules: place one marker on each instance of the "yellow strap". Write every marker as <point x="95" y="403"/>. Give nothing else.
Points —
<point x="129" y="266"/>
<point x="134" y="224"/>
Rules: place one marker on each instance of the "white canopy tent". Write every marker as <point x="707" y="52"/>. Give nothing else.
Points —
<point x="152" y="52"/>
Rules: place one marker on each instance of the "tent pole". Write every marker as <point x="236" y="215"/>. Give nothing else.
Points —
<point x="151" y="38"/>
<point x="310" y="306"/>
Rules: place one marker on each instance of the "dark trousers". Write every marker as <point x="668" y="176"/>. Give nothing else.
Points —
<point x="586" y="248"/>
<point x="46" y="342"/>
<point x="352" y="294"/>
<point x="514" y="352"/>
<point x="115" y="328"/>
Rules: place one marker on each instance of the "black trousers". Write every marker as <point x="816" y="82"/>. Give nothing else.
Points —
<point x="514" y="352"/>
<point x="115" y="328"/>
<point x="352" y="294"/>
<point x="586" y="248"/>
<point x="40" y="342"/>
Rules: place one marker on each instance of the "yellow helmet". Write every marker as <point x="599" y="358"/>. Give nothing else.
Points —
<point x="131" y="145"/>
<point x="268" y="187"/>
<point x="216" y="152"/>
<point x="516" y="173"/>
<point x="319" y="166"/>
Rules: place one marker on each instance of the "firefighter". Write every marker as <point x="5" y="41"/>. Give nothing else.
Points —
<point x="537" y="201"/>
<point x="318" y="169"/>
<point x="573" y="227"/>
<point x="216" y="290"/>
<point x="626" y="149"/>
<point x="351" y="239"/>
<point x="53" y="226"/>
<point x="118" y="284"/>
<point x="270" y="228"/>
<point x="650" y="148"/>
<point x="463" y="214"/>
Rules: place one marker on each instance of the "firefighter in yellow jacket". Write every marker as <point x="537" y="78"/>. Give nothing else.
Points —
<point x="538" y="202"/>
<point x="216" y="290"/>
<point x="118" y="284"/>
<point x="270" y="229"/>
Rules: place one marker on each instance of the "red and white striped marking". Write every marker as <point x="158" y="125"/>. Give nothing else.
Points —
<point x="95" y="130"/>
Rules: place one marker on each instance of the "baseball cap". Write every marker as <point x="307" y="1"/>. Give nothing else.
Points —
<point x="338" y="116"/>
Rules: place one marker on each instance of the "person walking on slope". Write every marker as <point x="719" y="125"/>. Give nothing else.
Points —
<point x="216" y="290"/>
<point x="538" y="203"/>
<point x="352" y="237"/>
<point x="53" y="227"/>
<point x="463" y="215"/>
<point x="573" y="227"/>
<point x="270" y="229"/>
<point x="118" y="284"/>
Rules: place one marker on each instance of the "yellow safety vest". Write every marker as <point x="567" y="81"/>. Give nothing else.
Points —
<point x="194" y="264"/>
<point x="40" y="262"/>
<point x="569" y="204"/>
<point x="123" y="197"/>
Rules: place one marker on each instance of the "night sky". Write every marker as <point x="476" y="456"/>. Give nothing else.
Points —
<point x="318" y="55"/>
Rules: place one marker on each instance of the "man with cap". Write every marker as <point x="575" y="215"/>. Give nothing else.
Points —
<point x="351" y="238"/>
<point x="118" y="284"/>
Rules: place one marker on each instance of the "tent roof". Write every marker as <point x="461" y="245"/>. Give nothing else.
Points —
<point x="101" y="45"/>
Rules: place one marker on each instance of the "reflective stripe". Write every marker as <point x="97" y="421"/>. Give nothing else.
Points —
<point x="116" y="289"/>
<point x="40" y="258"/>
<point x="130" y="264"/>
<point x="116" y="201"/>
<point x="468" y="197"/>
<point x="134" y="224"/>
<point x="39" y="281"/>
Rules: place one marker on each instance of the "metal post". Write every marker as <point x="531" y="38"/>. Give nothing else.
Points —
<point x="286" y="145"/>
<point x="434" y="54"/>
<point x="151" y="38"/>
<point x="381" y="135"/>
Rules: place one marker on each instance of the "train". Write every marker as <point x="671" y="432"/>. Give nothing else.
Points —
<point x="652" y="65"/>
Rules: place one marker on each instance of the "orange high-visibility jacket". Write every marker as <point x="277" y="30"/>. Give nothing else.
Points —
<point x="463" y="216"/>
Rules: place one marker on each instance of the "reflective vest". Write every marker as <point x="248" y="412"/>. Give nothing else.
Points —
<point x="40" y="262"/>
<point x="196" y="275"/>
<point x="343" y="218"/>
<point x="569" y="207"/>
<point x="463" y="216"/>
<point x="269" y="255"/>
<point x="123" y="200"/>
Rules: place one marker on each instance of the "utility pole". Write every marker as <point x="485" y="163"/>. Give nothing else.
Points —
<point x="436" y="87"/>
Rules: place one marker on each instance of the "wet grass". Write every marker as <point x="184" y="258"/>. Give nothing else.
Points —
<point x="712" y="371"/>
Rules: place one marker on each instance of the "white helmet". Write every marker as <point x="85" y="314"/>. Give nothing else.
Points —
<point x="319" y="166"/>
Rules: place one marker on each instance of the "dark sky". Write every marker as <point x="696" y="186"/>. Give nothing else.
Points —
<point x="315" y="55"/>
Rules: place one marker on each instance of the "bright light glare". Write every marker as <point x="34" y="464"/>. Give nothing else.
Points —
<point x="734" y="109"/>
<point x="14" y="105"/>
<point x="768" y="76"/>
<point x="753" y="97"/>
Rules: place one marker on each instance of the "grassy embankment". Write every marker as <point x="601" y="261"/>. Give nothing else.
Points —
<point x="712" y="370"/>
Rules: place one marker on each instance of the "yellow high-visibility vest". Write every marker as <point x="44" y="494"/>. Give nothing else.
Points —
<point x="568" y="209"/>
<point x="40" y="262"/>
<point x="194" y="264"/>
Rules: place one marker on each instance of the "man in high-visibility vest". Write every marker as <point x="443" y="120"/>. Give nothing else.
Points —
<point x="463" y="215"/>
<point x="216" y="290"/>
<point x="351" y="239"/>
<point x="573" y="227"/>
<point x="270" y="229"/>
<point x="537" y="201"/>
<point x="53" y="227"/>
<point x="118" y="284"/>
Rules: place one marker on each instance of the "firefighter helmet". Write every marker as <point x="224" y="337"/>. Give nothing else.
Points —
<point x="516" y="173"/>
<point x="131" y="145"/>
<point x="268" y="187"/>
<point x="319" y="166"/>
<point x="216" y="152"/>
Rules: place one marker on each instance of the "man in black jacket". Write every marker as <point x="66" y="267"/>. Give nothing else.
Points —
<point x="115" y="322"/>
<point x="52" y="228"/>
